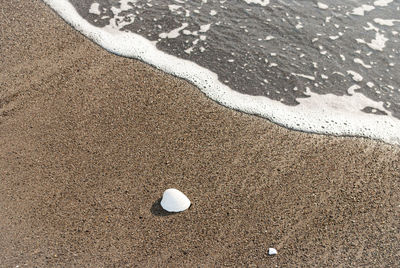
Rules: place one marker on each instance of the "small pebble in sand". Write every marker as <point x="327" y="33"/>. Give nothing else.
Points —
<point x="272" y="251"/>
<point x="174" y="200"/>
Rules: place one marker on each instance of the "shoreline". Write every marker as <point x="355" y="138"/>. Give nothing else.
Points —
<point x="306" y="116"/>
<point x="89" y="141"/>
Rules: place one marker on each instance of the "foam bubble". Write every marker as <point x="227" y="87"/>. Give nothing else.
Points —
<point x="360" y="11"/>
<point x="385" y="22"/>
<point x="356" y="76"/>
<point x="258" y="2"/>
<point x="309" y="77"/>
<point x="378" y="43"/>
<point x="360" y="61"/>
<point x="174" y="8"/>
<point x="322" y="5"/>
<point x="173" y="33"/>
<point x="205" y="28"/>
<point x="95" y="9"/>
<point x="382" y="3"/>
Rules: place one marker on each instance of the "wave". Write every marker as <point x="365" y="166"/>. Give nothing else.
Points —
<point x="324" y="114"/>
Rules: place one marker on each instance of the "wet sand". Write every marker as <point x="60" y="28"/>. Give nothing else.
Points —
<point x="89" y="141"/>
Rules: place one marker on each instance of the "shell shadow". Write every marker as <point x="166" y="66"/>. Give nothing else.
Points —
<point x="157" y="210"/>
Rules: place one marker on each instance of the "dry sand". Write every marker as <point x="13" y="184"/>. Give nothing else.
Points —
<point x="89" y="141"/>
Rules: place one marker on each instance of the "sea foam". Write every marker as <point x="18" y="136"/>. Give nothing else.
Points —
<point x="325" y="114"/>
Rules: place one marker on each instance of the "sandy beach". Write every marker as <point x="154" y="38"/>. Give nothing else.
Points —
<point x="90" y="140"/>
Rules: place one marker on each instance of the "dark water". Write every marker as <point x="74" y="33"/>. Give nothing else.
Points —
<point x="280" y="50"/>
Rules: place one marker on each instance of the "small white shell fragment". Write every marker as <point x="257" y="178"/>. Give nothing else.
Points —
<point x="174" y="200"/>
<point x="272" y="251"/>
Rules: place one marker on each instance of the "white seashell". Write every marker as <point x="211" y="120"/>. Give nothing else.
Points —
<point x="272" y="251"/>
<point x="174" y="200"/>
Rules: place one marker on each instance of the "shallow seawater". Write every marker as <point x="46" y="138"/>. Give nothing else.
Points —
<point x="336" y="58"/>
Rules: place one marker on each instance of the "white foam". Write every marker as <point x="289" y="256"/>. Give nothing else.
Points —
<point x="258" y="2"/>
<point x="309" y="77"/>
<point x="382" y="3"/>
<point x="378" y="43"/>
<point x="174" y="33"/>
<point x="371" y="27"/>
<point x="204" y="28"/>
<point x="327" y="114"/>
<point x="322" y="5"/>
<point x="174" y="8"/>
<point x="362" y="9"/>
<point x="351" y="90"/>
<point x="385" y="22"/>
<point x="189" y="50"/>
<point x="126" y="4"/>
<point x="95" y="9"/>
<point x="120" y="21"/>
<point x="356" y="76"/>
<point x="360" y="61"/>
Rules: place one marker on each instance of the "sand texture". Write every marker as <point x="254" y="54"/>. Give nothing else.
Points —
<point x="89" y="141"/>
